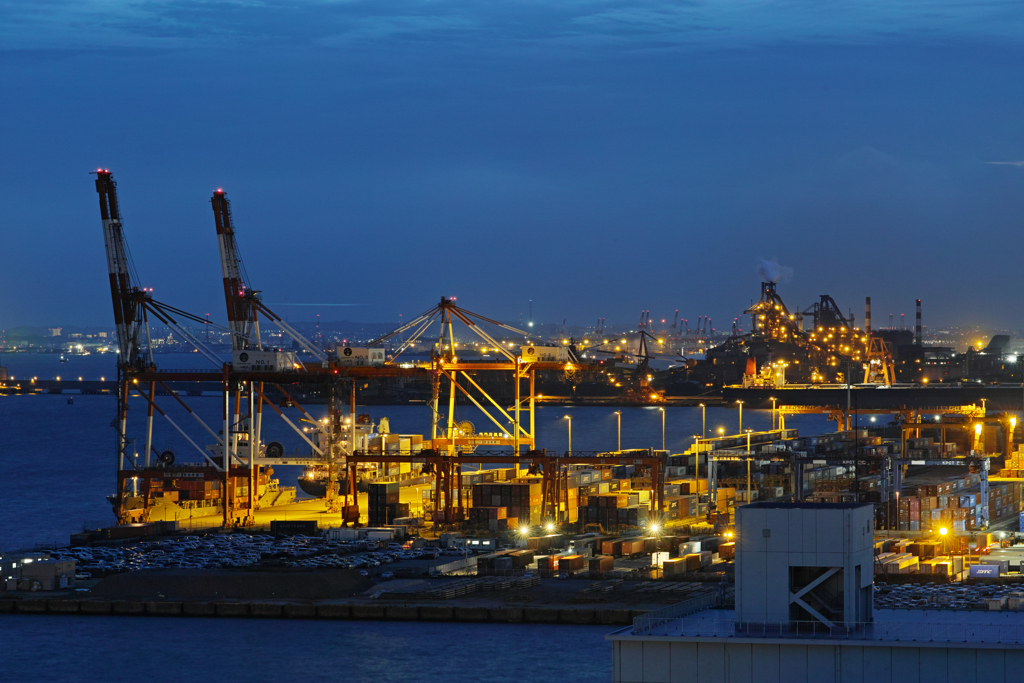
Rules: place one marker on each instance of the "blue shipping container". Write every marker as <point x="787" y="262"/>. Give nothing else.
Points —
<point x="984" y="571"/>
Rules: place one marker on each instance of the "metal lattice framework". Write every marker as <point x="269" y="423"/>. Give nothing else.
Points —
<point x="237" y="452"/>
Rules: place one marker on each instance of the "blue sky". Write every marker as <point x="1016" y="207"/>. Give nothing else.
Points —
<point x="598" y="158"/>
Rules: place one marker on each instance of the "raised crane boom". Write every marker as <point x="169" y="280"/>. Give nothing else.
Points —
<point x="128" y="299"/>
<point x="245" y="330"/>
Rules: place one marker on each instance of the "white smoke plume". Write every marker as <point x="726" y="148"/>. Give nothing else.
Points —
<point x="771" y="271"/>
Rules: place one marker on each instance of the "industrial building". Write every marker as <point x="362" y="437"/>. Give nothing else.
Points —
<point x="35" y="571"/>
<point x="803" y="614"/>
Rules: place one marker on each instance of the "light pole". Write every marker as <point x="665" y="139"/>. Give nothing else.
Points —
<point x="740" y="404"/>
<point x="703" y="421"/>
<point x="662" y="428"/>
<point x="618" y="414"/>
<point x="569" y="418"/>
<point x="773" y="412"/>
<point x="748" y="467"/>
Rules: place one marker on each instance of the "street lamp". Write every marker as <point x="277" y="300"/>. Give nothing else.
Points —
<point x="662" y="428"/>
<point x="748" y="467"/>
<point x="721" y="431"/>
<point x="703" y="421"/>
<point x="569" y="418"/>
<point x="740" y="404"/>
<point x="618" y="414"/>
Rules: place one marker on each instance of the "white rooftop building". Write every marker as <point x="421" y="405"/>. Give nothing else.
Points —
<point x="804" y="615"/>
<point x="800" y="563"/>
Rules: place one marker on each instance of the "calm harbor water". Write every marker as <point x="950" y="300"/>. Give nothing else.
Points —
<point x="159" y="650"/>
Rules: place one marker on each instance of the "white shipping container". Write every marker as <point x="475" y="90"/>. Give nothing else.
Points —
<point x="689" y="548"/>
<point x="658" y="559"/>
<point x="544" y="354"/>
<point x="343" y="534"/>
<point x="263" y="361"/>
<point x="354" y="356"/>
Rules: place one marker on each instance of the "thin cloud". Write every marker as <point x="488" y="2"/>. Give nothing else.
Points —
<point x="1006" y="163"/>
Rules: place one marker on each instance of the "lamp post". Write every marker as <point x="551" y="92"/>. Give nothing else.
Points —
<point x="569" y="418"/>
<point x="748" y="467"/>
<point x="703" y="421"/>
<point x="662" y="428"/>
<point x="618" y="414"/>
<point x="740" y="404"/>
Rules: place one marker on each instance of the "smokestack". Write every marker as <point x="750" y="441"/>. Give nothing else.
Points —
<point x="867" y="316"/>
<point x="917" y="329"/>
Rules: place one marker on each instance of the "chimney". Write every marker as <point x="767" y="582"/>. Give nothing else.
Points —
<point x="917" y="329"/>
<point x="867" y="316"/>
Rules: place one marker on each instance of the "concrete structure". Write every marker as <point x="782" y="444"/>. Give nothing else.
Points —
<point x="35" y="571"/>
<point x="798" y="562"/>
<point x="47" y="575"/>
<point x="804" y="615"/>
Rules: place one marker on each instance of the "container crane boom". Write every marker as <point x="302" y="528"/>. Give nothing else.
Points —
<point x="127" y="298"/>
<point x="245" y="331"/>
<point x="243" y="302"/>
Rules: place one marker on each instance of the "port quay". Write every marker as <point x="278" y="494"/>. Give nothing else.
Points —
<point x="883" y="548"/>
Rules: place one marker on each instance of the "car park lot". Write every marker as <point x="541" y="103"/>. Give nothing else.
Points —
<point x="215" y="551"/>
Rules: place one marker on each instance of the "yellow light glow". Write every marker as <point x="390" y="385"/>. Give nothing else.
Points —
<point x="943" y="531"/>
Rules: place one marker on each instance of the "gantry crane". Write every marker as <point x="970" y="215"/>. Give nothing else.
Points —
<point x="237" y="450"/>
<point x="132" y="307"/>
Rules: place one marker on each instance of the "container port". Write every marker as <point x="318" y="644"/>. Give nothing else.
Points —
<point x="480" y="515"/>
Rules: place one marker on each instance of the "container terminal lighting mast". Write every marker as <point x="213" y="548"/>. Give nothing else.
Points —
<point x="234" y="464"/>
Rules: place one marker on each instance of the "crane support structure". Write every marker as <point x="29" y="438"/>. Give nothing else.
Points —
<point x="236" y="452"/>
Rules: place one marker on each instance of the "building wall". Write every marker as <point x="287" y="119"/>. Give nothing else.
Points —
<point x="668" y="661"/>
<point x="770" y="540"/>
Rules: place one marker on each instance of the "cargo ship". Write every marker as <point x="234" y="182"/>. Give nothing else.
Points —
<point x="368" y="438"/>
<point x="188" y="494"/>
<point x="168" y="491"/>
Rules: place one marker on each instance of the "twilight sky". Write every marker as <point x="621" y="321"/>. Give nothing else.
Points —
<point x="597" y="157"/>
